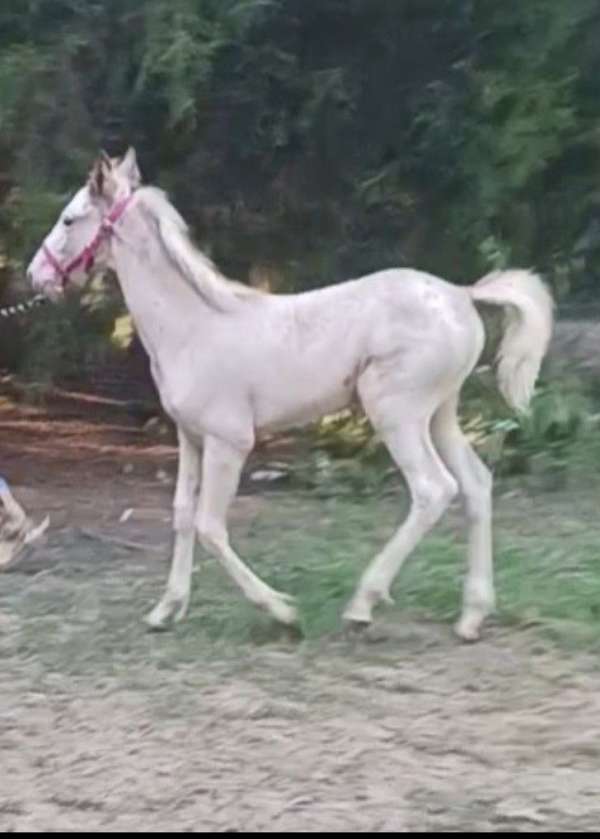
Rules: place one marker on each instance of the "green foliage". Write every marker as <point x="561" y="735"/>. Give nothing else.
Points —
<point x="545" y="441"/>
<point x="326" y="139"/>
<point x="72" y="339"/>
<point x="557" y="433"/>
<point x="180" y="46"/>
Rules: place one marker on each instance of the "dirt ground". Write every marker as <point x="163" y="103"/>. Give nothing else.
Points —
<point x="107" y="727"/>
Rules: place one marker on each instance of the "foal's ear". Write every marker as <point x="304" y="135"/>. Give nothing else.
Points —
<point x="98" y="177"/>
<point x="129" y="169"/>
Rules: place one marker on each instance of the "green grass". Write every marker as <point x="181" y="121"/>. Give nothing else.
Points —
<point x="547" y="574"/>
<point x="86" y="615"/>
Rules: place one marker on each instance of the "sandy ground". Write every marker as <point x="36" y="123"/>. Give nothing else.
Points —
<point x="106" y="727"/>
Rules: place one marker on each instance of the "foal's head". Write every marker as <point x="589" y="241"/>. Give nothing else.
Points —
<point x="80" y="238"/>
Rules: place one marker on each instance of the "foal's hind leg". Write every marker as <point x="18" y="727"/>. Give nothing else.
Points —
<point x="475" y="485"/>
<point x="432" y="488"/>
<point x="221" y="468"/>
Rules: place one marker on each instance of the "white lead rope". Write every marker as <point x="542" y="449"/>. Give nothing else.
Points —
<point x="22" y="308"/>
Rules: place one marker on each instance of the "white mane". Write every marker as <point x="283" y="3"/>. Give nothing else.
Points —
<point x="195" y="267"/>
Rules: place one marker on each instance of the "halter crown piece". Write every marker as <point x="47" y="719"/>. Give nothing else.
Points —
<point x="87" y="256"/>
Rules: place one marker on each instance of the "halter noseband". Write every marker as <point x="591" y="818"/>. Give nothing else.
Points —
<point x="88" y="254"/>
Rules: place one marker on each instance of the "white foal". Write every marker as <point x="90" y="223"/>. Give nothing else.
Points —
<point x="230" y="362"/>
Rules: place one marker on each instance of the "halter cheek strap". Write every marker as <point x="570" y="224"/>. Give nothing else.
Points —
<point x="87" y="256"/>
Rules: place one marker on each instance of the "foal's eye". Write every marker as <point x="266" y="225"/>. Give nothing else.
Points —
<point x="68" y="222"/>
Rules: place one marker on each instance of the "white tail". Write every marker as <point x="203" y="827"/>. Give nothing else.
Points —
<point x="527" y="329"/>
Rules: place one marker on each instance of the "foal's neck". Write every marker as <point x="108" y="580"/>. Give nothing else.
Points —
<point x="166" y="311"/>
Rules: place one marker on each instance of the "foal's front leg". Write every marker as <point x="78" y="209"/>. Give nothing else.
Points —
<point x="221" y="468"/>
<point x="174" y="603"/>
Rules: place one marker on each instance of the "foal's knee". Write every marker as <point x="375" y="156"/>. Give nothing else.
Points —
<point x="432" y="498"/>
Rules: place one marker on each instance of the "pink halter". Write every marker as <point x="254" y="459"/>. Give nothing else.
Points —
<point x="88" y="254"/>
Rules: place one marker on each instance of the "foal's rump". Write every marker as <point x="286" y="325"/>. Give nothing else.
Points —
<point x="429" y="336"/>
<point x="426" y="341"/>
